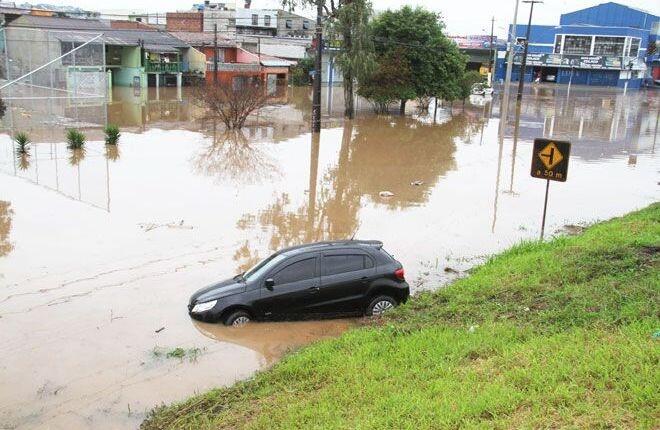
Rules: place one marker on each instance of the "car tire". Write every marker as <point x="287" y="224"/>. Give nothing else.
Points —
<point x="379" y="305"/>
<point x="237" y="319"/>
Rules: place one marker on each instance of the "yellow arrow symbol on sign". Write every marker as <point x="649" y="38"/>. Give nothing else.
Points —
<point x="550" y="155"/>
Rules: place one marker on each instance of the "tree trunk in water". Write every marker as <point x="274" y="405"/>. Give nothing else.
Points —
<point x="402" y="107"/>
<point x="349" y="111"/>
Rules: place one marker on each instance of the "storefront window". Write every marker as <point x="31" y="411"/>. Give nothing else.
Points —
<point x="558" y="44"/>
<point x="634" y="47"/>
<point x="609" y="46"/>
<point x="577" y="45"/>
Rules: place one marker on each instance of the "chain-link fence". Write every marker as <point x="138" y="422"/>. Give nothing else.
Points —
<point x="40" y="63"/>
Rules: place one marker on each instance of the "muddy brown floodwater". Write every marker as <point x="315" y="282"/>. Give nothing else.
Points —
<point x="101" y="249"/>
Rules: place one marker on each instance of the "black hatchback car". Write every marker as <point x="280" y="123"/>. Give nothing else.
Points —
<point x="324" y="278"/>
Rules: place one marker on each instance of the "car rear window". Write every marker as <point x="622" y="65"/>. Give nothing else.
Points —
<point x="298" y="271"/>
<point x="343" y="263"/>
<point x="384" y="257"/>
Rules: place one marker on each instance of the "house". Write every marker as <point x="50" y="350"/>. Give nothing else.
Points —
<point x="606" y="45"/>
<point x="136" y="57"/>
<point x="236" y="65"/>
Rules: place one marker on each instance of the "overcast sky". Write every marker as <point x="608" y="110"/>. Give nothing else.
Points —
<point x="461" y="16"/>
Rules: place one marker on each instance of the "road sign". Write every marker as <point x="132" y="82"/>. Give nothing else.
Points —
<point x="550" y="159"/>
<point x="550" y="162"/>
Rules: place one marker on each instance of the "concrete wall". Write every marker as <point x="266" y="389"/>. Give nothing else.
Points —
<point x="194" y="60"/>
<point x="131" y="67"/>
<point x="220" y="17"/>
<point x="130" y="56"/>
<point x="244" y="18"/>
<point x="298" y="24"/>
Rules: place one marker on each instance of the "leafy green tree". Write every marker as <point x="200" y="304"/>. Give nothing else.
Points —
<point x="468" y="79"/>
<point x="348" y="19"/>
<point x="389" y="82"/>
<point x="300" y="72"/>
<point x="435" y="61"/>
<point x="356" y="58"/>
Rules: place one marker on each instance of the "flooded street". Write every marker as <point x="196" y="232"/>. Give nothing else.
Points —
<point x="100" y="251"/>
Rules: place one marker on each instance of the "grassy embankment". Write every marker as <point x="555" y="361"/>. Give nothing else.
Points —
<point x="545" y="335"/>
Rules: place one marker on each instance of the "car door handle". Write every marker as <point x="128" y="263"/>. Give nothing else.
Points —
<point x="364" y="279"/>
<point x="313" y="290"/>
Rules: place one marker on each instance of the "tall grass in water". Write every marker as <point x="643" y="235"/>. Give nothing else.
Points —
<point x="75" y="138"/>
<point x="22" y="143"/>
<point x="111" y="134"/>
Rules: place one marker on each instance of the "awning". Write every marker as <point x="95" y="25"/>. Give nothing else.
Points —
<point x="161" y="49"/>
<point x="276" y="63"/>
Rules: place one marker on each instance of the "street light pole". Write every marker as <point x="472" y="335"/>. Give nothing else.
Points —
<point x="490" y="63"/>
<point x="504" y="109"/>
<point x="521" y="77"/>
<point x="316" y="96"/>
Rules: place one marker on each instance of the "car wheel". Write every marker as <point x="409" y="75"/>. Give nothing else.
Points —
<point x="379" y="305"/>
<point x="237" y="319"/>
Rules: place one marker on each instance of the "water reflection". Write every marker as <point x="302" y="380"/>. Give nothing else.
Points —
<point x="112" y="152"/>
<point x="5" y="228"/>
<point x="76" y="156"/>
<point x="232" y="156"/>
<point x="272" y="340"/>
<point x="397" y="154"/>
<point x="23" y="161"/>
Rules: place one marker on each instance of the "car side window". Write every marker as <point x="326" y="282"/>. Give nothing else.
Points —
<point x="298" y="271"/>
<point x="344" y="263"/>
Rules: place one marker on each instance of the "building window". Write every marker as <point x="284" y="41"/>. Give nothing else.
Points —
<point x="558" y="44"/>
<point x="634" y="47"/>
<point x="255" y="19"/>
<point x="306" y="25"/>
<point x="609" y="46"/>
<point x="577" y="45"/>
<point x="232" y="22"/>
<point x="289" y="23"/>
<point x="267" y="20"/>
<point x="221" y="55"/>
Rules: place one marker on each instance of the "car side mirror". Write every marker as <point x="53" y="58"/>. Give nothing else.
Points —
<point x="270" y="283"/>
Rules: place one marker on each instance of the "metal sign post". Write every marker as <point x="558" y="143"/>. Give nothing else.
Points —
<point x="550" y="162"/>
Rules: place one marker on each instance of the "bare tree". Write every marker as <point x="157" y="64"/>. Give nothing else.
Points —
<point x="232" y="105"/>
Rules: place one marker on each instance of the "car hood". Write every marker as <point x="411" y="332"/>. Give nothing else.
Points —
<point x="218" y="290"/>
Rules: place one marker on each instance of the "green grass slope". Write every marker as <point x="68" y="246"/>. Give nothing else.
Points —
<point x="544" y="335"/>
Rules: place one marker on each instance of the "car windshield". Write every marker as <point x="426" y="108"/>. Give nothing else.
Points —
<point x="263" y="266"/>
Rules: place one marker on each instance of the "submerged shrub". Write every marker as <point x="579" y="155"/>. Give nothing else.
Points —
<point x="22" y="143"/>
<point x="111" y="134"/>
<point x="75" y="138"/>
<point x="3" y="108"/>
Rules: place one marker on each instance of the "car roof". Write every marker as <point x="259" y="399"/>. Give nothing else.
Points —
<point x="326" y="245"/>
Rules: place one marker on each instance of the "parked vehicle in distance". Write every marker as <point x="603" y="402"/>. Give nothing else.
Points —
<point x="316" y="279"/>
<point x="481" y="89"/>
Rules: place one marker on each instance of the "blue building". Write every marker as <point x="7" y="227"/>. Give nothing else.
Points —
<point x="608" y="45"/>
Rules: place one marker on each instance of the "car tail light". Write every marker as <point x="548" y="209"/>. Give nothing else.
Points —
<point x="399" y="273"/>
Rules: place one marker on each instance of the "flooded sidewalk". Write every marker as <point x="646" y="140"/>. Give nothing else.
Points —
<point x="100" y="253"/>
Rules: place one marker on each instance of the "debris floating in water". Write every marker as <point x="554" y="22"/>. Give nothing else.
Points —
<point x="148" y="226"/>
<point x="386" y="194"/>
<point x="417" y="183"/>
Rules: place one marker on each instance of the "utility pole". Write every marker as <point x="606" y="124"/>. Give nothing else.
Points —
<point x="215" y="53"/>
<point x="521" y="77"/>
<point x="316" y="97"/>
<point x="490" y="63"/>
<point x="504" y="110"/>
